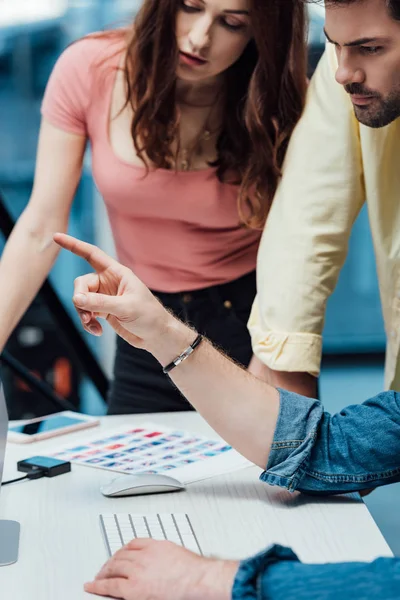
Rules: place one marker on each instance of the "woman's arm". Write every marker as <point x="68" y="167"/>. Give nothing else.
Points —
<point x="30" y="252"/>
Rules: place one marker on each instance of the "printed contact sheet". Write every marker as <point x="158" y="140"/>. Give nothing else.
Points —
<point x="152" y="449"/>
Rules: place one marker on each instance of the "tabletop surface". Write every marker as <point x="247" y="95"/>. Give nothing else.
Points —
<point x="234" y="516"/>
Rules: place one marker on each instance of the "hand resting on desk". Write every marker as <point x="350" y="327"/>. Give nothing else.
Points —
<point x="149" y="570"/>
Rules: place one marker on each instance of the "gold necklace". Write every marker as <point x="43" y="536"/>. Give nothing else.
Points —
<point x="204" y="135"/>
<point x="187" y="153"/>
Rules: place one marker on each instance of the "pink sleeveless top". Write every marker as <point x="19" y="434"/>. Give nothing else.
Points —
<point x="176" y="231"/>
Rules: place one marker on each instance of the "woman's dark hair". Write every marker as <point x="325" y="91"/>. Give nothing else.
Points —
<point x="264" y="97"/>
<point x="393" y="6"/>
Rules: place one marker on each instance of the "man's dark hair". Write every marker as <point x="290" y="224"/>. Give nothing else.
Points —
<point x="392" y="5"/>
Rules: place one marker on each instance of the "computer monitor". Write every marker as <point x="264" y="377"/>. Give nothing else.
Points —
<point x="9" y="530"/>
<point x="3" y="430"/>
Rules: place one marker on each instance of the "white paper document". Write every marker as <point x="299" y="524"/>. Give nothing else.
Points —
<point x="152" y="449"/>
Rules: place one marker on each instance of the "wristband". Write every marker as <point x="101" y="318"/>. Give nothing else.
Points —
<point x="185" y="354"/>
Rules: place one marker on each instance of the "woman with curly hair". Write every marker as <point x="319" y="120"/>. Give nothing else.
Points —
<point x="188" y="113"/>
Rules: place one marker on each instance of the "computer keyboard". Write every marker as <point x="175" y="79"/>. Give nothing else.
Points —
<point x="119" y="529"/>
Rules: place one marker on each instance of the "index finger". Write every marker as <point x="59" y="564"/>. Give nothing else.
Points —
<point x="98" y="259"/>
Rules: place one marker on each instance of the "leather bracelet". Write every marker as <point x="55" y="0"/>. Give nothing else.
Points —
<point x="185" y="354"/>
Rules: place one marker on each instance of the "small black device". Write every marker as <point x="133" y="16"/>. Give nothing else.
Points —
<point x="50" y="467"/>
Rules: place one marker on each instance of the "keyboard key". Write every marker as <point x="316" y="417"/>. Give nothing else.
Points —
<point x="120" y="529"/>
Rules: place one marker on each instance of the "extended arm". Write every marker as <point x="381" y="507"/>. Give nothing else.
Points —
<point x="29" y="253"/>
<point x="303" y="447"/>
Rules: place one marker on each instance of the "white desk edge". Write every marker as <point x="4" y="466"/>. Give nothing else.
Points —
<point x="234" y="516"/>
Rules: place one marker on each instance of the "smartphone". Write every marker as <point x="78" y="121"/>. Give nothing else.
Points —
<point x="50" y="426"/>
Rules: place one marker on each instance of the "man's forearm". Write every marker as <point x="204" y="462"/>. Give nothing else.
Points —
<point x="241" y="408"/>
<point x="301" y="383"/>
<point x="271" y="574"/>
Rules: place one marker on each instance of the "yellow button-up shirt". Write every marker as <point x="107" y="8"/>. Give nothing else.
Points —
<point x="332" y="167"/>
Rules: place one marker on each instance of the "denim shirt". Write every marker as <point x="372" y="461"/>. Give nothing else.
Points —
<point x="277" y="574"/>
<point x="317" y="453"/>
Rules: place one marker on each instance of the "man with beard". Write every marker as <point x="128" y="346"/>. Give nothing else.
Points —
<point x="344" y="152"/>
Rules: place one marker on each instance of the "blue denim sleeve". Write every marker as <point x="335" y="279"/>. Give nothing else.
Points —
<point x="318" y="453"/>
<point x="248" y="582"/>
<point x="277" y="574"/>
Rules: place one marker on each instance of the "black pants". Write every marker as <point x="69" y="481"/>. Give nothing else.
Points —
<point x="220" y="313"/>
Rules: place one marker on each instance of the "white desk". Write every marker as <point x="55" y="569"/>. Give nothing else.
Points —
<point x="234" y="516"/>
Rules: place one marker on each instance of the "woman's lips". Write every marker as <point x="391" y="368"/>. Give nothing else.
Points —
<point x="190" y="60"/>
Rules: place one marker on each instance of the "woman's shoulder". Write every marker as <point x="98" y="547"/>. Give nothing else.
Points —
<point x="75" y="81"/>
<point x="93" y="53"/>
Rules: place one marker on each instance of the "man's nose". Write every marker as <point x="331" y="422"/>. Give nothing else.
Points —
<point x="348" y="72"/>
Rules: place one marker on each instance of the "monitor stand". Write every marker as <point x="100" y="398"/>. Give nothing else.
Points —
<point x="9" y="542"/>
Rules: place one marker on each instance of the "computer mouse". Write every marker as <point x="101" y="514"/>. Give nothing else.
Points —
<point x="134" y="485"/>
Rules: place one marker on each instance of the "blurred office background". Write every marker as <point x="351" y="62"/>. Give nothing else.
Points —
<point x="33" y="33"/>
